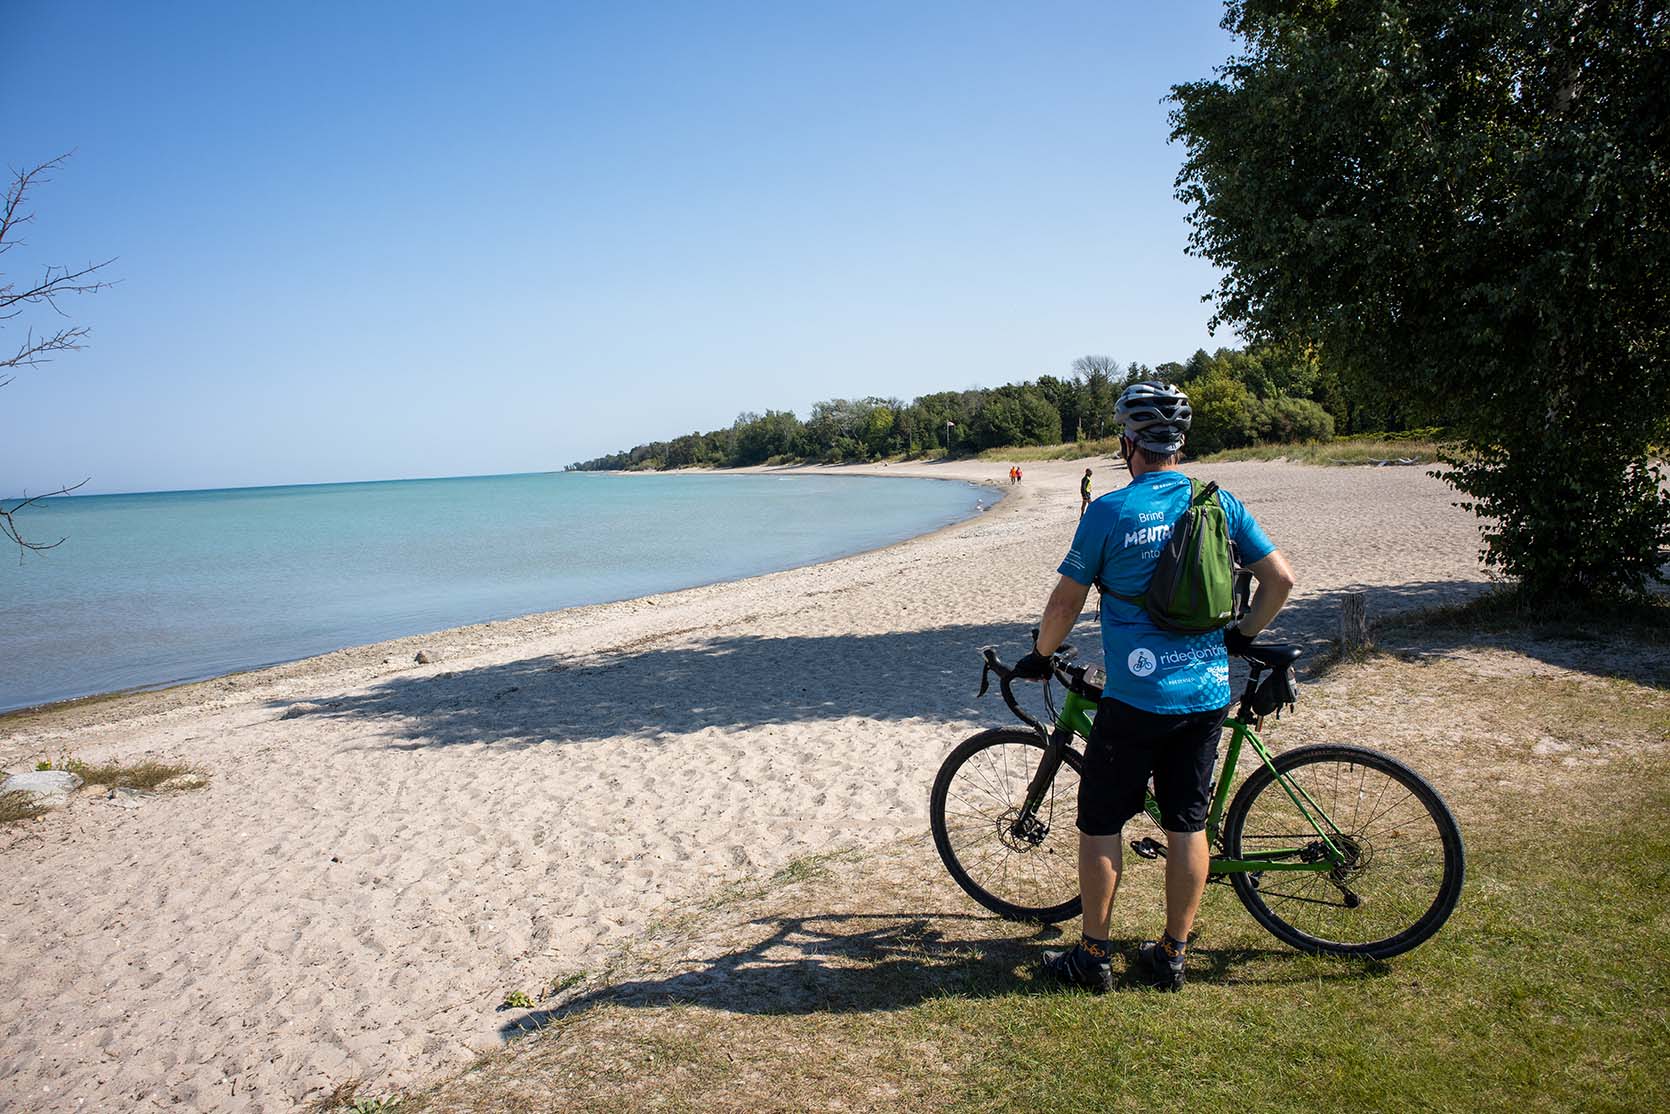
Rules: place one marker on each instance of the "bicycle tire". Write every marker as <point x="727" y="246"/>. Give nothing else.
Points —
<point x="955" y="809"/>
<point x="1392" y="849"/>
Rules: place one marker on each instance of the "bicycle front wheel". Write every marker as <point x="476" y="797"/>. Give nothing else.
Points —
<point x="1403" y="865"/>
<point x="1022" y="870"/>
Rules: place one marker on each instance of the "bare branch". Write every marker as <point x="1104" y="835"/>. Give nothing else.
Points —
<point x="8" y="525"/>
<point x="55" y="282"/>
<point x="33" y="351"/>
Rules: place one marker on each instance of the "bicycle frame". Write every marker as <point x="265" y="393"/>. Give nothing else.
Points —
<point x="1076" y="715"/>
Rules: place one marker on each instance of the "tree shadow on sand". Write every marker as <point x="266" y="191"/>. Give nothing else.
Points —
<point x="733" y="680"/>
<point x="862" y="962"/>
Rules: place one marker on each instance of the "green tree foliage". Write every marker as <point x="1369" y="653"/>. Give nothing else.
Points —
<point x="1263" y="394"/>
<point x="776" y="433"/>
<point x="1467" y="209"/>
<point x="1285" y="420"/>
<point x="1223" y="413"/>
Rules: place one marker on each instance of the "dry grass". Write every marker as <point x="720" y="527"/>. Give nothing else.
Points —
<point x="148" y="774"/>
<point x="871" y="982"/>
<point x="1345" y="450"/>
<point x="18" y="806"/>
<point x="1071" y="450"/>
<point x="1645" y="619"/>
<point x="1342" y="451"/>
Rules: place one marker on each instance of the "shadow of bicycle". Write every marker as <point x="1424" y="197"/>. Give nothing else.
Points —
<point x="852" y="962"/>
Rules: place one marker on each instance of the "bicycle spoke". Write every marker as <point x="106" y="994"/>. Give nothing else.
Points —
<point x="1034" y="864"/>
<point x="1392" y="854"/>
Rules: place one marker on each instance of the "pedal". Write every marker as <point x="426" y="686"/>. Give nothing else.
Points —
<point x="1148" y="848"/>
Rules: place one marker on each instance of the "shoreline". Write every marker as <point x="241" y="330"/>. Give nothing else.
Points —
<point x="253" y="674"/>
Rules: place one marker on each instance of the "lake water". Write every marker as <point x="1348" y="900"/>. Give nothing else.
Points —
<point x="157" y="588"/>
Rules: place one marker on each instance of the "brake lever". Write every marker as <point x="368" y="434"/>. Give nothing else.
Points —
<point x="989" y="653"/>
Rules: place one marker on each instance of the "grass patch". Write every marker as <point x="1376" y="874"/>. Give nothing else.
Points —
<point x="18" y="806"/>
<point x="139" y="775"/>
<point x="346" y="1099"/>
<point x="1504" y="611"/>
<point x="873" y="984"/>
<point x="1071" y="450"/>
<point x="1342" y="450"/>
<point x="1339" y="451"/>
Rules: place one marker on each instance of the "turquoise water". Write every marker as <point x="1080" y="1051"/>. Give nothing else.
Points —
<point x="157" y="588"/>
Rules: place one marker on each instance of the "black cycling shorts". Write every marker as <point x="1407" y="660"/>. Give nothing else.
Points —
<point x="1127" y="747"/>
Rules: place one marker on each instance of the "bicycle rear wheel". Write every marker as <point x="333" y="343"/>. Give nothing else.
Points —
<point x="1031" y="875"/>
<point x="1404" y="859"/>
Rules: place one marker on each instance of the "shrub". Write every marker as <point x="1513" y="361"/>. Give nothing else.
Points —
<point x="1292" y="419"/>
<point x="1224" y="413"/>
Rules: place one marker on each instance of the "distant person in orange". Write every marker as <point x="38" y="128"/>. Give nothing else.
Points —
<point x="1084" y="493"/>
<point x="1011" y="473"/>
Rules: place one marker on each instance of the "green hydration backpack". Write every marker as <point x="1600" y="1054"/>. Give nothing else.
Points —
<point x="1197" y="586"/>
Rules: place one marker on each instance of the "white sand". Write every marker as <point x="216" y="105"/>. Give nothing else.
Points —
<point x="360" y="885"/>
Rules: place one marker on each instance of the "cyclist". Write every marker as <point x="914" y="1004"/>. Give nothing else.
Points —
<point x="1166" y="695"/>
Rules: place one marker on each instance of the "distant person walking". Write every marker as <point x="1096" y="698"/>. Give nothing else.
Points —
<point x="1019" y="475"/>
<point x="1084" y="493"/>
<point x="1012" y="471"/>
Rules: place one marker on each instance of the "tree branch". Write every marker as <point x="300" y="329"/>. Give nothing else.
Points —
<point x="8" y="525"/>
<point x="55" y="282"/>
<point x="31" y="353"/>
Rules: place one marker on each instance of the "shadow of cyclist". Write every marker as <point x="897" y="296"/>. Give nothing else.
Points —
<point x="862" y="962"/>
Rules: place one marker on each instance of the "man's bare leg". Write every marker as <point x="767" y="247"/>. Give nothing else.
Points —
<point x="1188" y="858"/>
<point x="1100" y="861"/>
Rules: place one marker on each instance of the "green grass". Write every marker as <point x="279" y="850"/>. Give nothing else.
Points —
<point x="870" y="982"/>
<point x="1548" y="991"/>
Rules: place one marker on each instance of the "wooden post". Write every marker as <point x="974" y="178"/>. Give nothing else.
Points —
<point x="1353" y="624"/>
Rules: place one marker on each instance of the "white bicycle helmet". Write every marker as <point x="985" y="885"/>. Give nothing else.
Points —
<point x="1155" y="415"/>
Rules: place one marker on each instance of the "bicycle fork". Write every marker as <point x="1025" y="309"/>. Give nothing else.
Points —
<point x="1026" y="825"/>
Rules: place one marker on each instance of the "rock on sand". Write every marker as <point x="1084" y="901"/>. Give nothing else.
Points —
<point x="48" y="788"/>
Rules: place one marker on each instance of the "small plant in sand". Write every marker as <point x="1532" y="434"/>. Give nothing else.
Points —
<point x="567" y="982"/>
<point x="516" y="1000"/>
<point x="345" y="1099"/>
<point x="18" y="806"/>
<point x="148" y="774"/>
<point x="373" y="1106"/>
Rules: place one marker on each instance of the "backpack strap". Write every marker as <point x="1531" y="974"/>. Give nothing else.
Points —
<point x="1195" y="496"/>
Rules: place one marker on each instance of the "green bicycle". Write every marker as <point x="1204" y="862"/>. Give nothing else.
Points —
<point x="1334" y="849"/>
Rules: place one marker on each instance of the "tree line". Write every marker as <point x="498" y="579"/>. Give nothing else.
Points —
<point x="1269" y="394"/>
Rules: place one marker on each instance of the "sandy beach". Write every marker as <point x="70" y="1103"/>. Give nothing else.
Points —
<point x="385" y="849"/>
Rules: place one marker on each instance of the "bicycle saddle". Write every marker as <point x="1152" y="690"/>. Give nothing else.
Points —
<point x="1273" y="657"/>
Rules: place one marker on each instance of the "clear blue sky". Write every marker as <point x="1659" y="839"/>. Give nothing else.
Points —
<point x="362" y="241"/>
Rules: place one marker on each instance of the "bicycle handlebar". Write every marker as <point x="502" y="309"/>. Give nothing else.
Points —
<point x="1060" y="670"/>
<point x="1006" y="676"/>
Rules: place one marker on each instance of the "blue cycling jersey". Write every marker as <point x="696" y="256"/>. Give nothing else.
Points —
<point x="1118" y="541"/>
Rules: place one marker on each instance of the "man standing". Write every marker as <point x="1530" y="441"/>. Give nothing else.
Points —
<point x="1084" y="493"/>
<point x="1166" y="696"/>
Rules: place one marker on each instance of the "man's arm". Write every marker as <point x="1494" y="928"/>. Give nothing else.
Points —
<point x="1063" y="610"/>
<point x="1275" y="583"/>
